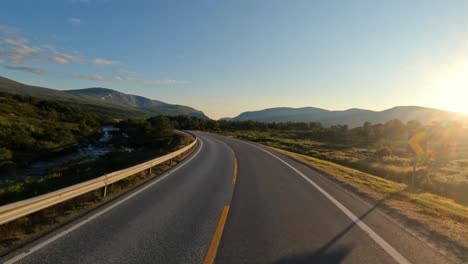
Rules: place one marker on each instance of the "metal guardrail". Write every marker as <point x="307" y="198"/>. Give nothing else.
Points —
<point x="16" y="210"/>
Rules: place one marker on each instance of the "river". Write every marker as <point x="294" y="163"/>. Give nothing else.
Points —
<point x="39" y="168"/>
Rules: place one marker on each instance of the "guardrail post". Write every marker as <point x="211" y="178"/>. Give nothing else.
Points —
<point x="149" y="170"/>
<point x="105" y="187"/>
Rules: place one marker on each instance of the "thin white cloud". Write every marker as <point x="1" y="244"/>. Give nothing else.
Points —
<point x="154" y="82"/>
<point x="38" y="71"/>
<point x="94" y="77"/>
<point x="125" y="79"/>
<point x="16" y="50"/>
<point x="101" y="61"/>
<point x="127" y="72"/>
<point x="59" y="57"/>
<point x="59" y="60"/>
<point x="15" y="41"/>
<point x="134" y="79"/>
<point x="63" y="58"/>
<point x="74" y="20"/>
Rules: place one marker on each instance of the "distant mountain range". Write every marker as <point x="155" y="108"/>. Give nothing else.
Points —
<point x="111" y="102"/>
<point x="352" y="117"/>
<point x="120" y="105"/>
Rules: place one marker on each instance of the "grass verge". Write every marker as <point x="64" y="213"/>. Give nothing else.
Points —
<point x="449" y="180"/>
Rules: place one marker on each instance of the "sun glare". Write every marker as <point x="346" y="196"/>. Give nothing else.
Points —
<point x="450" y="90"/>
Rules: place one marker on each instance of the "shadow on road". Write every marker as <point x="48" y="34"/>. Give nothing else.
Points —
<point x="326" y="254"/>
<point x="334" y="256"/>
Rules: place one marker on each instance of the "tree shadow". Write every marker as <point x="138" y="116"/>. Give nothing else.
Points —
<point x="327" y="254"/>
<point x="333" y="256"/>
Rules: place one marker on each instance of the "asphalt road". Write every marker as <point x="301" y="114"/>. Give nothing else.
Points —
<point x="278" y="211"/>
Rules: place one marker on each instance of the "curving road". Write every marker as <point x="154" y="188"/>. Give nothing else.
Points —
<point x="232" y="202"/>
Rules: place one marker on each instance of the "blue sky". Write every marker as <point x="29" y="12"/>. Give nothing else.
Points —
<point x="226" y="57"/>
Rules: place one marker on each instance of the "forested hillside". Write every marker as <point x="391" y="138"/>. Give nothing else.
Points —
<point x="31" y="128"/>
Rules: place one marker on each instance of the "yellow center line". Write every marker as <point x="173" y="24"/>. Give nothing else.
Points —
<point x="234" y="176"/>
<point x="210" y="257"/>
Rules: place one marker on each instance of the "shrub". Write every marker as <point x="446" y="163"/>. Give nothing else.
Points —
<point x="5" y="154"/>
<point x="383" y="152"/>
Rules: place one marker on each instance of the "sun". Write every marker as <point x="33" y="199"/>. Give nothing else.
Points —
<point x="450" y="90"/>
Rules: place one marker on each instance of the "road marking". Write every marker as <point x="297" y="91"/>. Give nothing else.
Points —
<point x="234" y="175"/>
<point x="213" y="249"/>
<point x="379" y="240"/>
<point x="211" y="255"/>
<point x="96" y="215"/>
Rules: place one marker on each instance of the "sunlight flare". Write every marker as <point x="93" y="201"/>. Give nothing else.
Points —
<point x="450" y="89"/>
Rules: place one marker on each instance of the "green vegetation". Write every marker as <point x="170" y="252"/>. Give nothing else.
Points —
<point x="31" y="128"/>
<point x="154" y="132"/>
<point x="34" y="129"/>
<point x="379" y="149"/>
<point x="149" y="138"/>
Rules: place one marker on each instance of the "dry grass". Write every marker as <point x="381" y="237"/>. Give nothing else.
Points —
<point x="449" y="181"/>
<point x="438" y="214"/>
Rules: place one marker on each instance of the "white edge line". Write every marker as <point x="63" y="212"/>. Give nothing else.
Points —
<point x="366" y="203"/>
<point x="379" y="240"/>
<point x="94" y="216"/>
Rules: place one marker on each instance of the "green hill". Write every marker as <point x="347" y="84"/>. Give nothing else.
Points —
<point x="152" y="107"/>
<point x="105" y="101"/>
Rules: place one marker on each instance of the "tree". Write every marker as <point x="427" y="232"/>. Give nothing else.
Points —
<point x="161" y="130"/>
<point x="414" y="126"/>
<point x="395" y="129"/>
<point x="338" y="133"/>
<point x="368" y="131"/>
